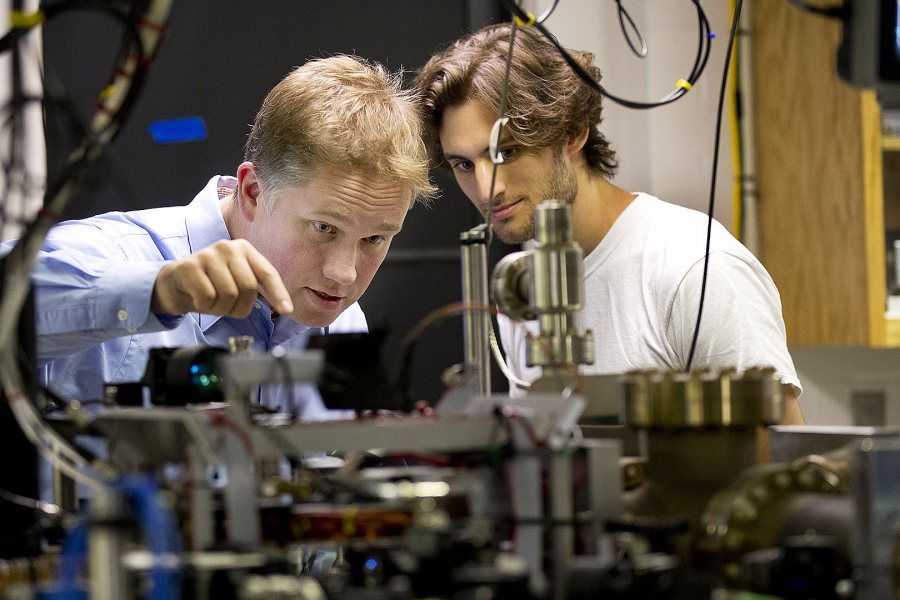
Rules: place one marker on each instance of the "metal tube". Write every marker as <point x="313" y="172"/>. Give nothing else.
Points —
<point x="476" y="322"/>
<point x="562" y="515"/>
<point x="105" y="547"/>
<point x="557" y="292"/>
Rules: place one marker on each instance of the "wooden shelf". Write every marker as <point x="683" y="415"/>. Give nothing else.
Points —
<point x="821" y="179"/>
<point x="892" y="331"/>
<point x="891" y="143"/>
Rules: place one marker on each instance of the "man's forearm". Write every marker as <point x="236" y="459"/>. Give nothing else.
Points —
<point x="792" y="413"/>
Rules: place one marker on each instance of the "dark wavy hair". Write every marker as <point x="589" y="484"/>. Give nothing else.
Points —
<point x="547" y="104"/>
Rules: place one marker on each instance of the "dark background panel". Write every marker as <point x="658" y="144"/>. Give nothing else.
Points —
<point x="218" y="61"/>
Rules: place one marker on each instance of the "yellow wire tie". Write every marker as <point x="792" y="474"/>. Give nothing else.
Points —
<point x="19" y="19"/>
<point x="531" y="20"/>
<point x="106" y="92"/>
<point x="684" y="83"/>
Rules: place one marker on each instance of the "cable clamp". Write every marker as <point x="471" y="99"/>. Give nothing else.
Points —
<point x="107" y="92"/>
<point x="19" y="19"/>
<point x="496" y="157"/>
<point x="531" y="20"/>
<point x="684" y="83"/>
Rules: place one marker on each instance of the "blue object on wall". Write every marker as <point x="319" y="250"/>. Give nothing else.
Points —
<point x="174" y="131"/>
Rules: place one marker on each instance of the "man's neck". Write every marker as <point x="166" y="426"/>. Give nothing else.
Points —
<point x="597" y="206"/>
<point x="230" y="216"/>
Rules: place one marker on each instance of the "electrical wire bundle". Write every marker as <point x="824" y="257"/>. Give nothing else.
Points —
<point x="683" y="86"/>
<point x="145" y="23"/>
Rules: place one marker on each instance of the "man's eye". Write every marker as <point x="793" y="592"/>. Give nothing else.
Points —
<point x="461" y="165"/>
<point x="323" y="227"/>
<point x="376" y="239"/>
<point x="508" y="153"/>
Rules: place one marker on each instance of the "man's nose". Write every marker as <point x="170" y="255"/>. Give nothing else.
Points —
<point x="340" y="265"/>
<point x="484" y="174"/>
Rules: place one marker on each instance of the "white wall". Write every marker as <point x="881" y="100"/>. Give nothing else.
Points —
<point x="668" y="152"/>
<point x="665" y="151"/>
<point x="830" y="376"/>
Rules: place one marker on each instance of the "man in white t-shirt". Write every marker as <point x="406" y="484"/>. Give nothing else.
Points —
<point x="644" y="258"/>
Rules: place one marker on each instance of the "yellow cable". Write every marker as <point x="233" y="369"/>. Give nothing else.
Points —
<point x="734" y="125"/>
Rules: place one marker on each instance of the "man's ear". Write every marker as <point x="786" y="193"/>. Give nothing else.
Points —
<point x="249" y="192"/>
<point x="577" y="142"/>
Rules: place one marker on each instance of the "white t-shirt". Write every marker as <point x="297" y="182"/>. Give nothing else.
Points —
<point x="642" y="290"/>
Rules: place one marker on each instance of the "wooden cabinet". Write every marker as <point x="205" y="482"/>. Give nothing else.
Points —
<point x="828" y="183"/>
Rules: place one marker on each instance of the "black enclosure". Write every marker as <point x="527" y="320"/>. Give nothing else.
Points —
<point x="217" y="62"/>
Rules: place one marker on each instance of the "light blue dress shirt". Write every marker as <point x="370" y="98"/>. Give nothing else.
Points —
<point x="93" y="284"/>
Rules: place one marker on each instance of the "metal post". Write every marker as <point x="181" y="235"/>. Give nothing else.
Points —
<point x="557" y="292"/>
<point x="562" y="515"/>
<point x="476" y="322"/>
<point x="105" y="547"/>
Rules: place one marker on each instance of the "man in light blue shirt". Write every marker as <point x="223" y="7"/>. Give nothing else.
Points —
<point x="332" y="165"/>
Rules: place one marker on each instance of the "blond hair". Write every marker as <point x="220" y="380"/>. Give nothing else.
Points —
<point x="342" y="111"/>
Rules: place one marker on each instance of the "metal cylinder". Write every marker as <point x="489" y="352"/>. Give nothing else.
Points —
<point x="665" y="400"/>
<point x="106" y="544"/>
<point x="557" y="290"/>
<point x="476" y="321"/>
<point x="553" y="223"/>
<point x="511" y="285"/>
<point x="557" y="285"/>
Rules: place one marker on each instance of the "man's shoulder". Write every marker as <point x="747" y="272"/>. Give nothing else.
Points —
<point x="135" y="234"/>
<point x="675" y="217"/>
<point x="135" y="221"/>
<point x="672" y="240"/>
<point x="153" y="222"/>
<point x="673" y="226"/>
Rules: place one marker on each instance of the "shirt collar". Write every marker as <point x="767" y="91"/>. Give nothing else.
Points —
<point x="206" y="225"/>
<point x="286" y="329"/>
<point x="204" y="220"/>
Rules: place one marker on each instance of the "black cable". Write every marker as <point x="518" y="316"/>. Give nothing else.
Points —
<point x="91" y="149"/>
<point x="703" y="50"/>
<point x="735" y="23"/>
<point x="503" y="101"/>
<point x="51" y="10"/>
<point x="15" y="121"/>
<point x="626" y="22"/>
<point x="546" y="14"/>
<point x="743" y="181"/>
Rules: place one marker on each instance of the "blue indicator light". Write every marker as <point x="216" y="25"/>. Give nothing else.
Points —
<point x="371" y="564"/>
<point x="174" y="131"/>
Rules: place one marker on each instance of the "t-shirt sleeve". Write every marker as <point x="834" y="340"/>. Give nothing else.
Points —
<point x="741" y="324"/>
